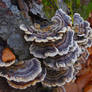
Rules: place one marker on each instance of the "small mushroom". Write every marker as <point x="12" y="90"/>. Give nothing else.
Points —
<point x="22" y="71"/>
<point x="58" y="77"/>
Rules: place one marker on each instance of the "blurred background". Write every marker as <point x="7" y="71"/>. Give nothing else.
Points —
<point x="84" y="7"/>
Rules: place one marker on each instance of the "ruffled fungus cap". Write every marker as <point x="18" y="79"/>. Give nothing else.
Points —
<point x="23" y="71"/>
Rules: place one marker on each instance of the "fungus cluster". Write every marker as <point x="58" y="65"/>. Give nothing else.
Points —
<point x="56" y="52"/>
<point x="24" y="73"/>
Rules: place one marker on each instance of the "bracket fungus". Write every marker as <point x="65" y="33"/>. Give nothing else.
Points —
<point x="58" y="77"/>
<point x="63" y="61"/>
<point x="49" y="33"/>
<point x="51" y="49"/>
<point x="24" y="73"/>
<point x="83" y="31"/>
<point x="62" y="46"/>
<point x="23" y="85"/>
<point x="57" y="50"/>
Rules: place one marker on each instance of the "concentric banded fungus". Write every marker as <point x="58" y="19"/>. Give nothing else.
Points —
<point x="7" y="58"/>
<point x="58" y="77"/>
<point x="22" y="71"/>
<point x="83" y="31"/>
<point x="23" y="85"/>
<point x="11" y="7"/>
<point x="60" y="47"/>
<point x="41" y="35"/>
<point x="62" y="20"/>
<point x="65" y="60"/>
<point x="52" y="32"/>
